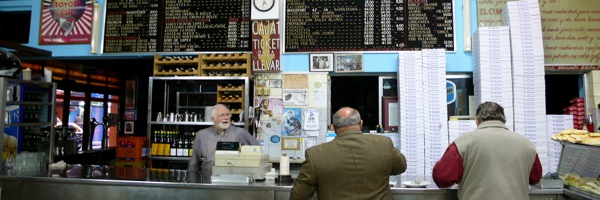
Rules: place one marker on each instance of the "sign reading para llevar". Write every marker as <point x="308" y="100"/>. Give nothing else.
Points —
<point x="266" y="49"/>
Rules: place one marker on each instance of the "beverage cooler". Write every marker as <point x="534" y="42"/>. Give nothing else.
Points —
<point x="28" y="115"/>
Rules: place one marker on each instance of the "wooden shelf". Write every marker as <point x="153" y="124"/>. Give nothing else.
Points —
<point x="232" y="64"/>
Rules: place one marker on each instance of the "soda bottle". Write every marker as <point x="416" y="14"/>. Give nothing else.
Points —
<point x="590" y="123"/>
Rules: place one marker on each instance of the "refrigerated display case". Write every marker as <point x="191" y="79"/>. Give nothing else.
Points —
<point x="27" y="117"/>
<point x="578" y="167"/>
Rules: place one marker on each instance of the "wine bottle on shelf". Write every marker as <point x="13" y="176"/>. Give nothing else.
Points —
<point x="154" y="146"/>
<point x="191" y="144"/>
<point x="182" y="151"/>
<point x="173" y="146"/>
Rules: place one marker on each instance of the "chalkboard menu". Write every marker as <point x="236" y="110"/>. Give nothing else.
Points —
<point x="176" y="26"/>
<point x="368" y="25"/>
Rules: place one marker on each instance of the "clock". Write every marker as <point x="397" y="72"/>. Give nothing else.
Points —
<point x="264" y="5"/>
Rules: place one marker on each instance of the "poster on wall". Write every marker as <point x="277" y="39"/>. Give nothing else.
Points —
<point x="295" y="97"/>
<point x="66" y="22"/>
<point x="265" y="46"/>
<point x="269" y="108"/>
<point x="130" y="94"/>
<point x="292" y="122"/>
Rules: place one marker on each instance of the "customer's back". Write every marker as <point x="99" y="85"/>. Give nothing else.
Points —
<point x="351" y="166"/>
<point x="497" y="163"/>
<point x="355" y="166"/>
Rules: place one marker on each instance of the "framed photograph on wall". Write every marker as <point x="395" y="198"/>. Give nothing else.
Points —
<point x="130" y="93"/>
<point x="129" y="115"/>
<point x="321" y="62"/>
<point x="129" y="127"/>
<point x="351" y="62"/>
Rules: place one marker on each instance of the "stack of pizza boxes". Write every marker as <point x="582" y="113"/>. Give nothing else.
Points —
<point x="577" y="109"/>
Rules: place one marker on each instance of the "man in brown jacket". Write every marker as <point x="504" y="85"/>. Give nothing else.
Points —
<point x="351" y="166"/>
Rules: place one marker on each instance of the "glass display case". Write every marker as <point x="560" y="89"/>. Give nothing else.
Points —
<point x="579" y="167"/>
<point x="179" y="107"/>
<point x="27" y="117"/>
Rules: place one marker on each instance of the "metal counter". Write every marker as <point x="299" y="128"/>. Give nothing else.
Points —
<point x="99" y="182"/>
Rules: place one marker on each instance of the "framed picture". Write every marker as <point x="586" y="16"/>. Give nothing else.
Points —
<point x="352" y="62"/>
<point x="129" y="115"/>
<point x="129" y="127"/>
<point x="321" y="62"/>
<point x="289" y="143"/>
<point x="130" y="86"/>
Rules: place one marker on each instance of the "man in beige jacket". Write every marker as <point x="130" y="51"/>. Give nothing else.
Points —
<point x="351" y="166"/>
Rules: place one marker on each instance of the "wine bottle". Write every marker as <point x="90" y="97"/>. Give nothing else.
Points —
<point x="173" y="145"/>
<point x="154" y="146"/>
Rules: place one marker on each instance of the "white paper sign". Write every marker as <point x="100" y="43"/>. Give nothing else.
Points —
<point x="320" y="97"/>
<point x="311" y="119"/>
<point x="295" y="97"/>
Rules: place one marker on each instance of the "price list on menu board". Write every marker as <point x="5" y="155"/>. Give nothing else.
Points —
<point x="177" y="26"/>
<point x="131" y="26"/>
<point x="368" y="25"/>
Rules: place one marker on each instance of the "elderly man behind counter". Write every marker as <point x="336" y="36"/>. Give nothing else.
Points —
<point x="351" y="166"/>
<point x="490" y="162"/>
<point x="205" y="143"/>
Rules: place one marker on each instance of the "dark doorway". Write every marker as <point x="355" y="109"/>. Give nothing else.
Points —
<point x="560" y="89"/>
<point x="358" y="92"/>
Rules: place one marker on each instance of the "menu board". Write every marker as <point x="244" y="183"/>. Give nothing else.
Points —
<point x="176" y="26"/>
<point x="368" y="25"/>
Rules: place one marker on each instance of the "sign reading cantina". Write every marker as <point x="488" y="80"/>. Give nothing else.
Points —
<point x="368" y="25"/>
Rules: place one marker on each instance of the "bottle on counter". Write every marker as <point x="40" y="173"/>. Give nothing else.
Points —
<point x="590" y="123"/>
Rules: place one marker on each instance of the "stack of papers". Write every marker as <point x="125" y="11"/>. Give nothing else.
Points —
<point x="412" y="109"/>
<point x="492" y="68"/>
<point x="529" y="89"/>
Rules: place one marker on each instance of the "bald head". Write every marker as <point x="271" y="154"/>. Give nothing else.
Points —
<point x="346" y="117"/>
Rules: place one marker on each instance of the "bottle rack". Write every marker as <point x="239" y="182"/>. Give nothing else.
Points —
<point x="176" y="65"/>
<point x="232" y="95"/>
<point x="218" y="65"/>
<point x="232" y="64"/>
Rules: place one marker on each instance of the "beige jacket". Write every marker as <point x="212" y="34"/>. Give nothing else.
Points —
<point x="497" y="163"/>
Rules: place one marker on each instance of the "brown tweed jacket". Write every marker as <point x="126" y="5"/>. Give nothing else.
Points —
<point x="351" y="166"/>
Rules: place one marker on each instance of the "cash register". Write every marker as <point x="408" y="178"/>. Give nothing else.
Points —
<point x="248" y="162"/>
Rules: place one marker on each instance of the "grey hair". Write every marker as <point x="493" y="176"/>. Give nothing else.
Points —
<point x="488" y="111"/>
<point x="213" y="112"/>
<point x="340" y="122"/>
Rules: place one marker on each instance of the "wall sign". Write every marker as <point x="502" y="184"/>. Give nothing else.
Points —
<point x="266" y="53"/>
<point x="66" y="22"/>
<point x="368" y="25"/>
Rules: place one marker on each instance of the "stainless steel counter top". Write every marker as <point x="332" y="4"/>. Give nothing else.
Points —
<point x="111" y="175"/>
